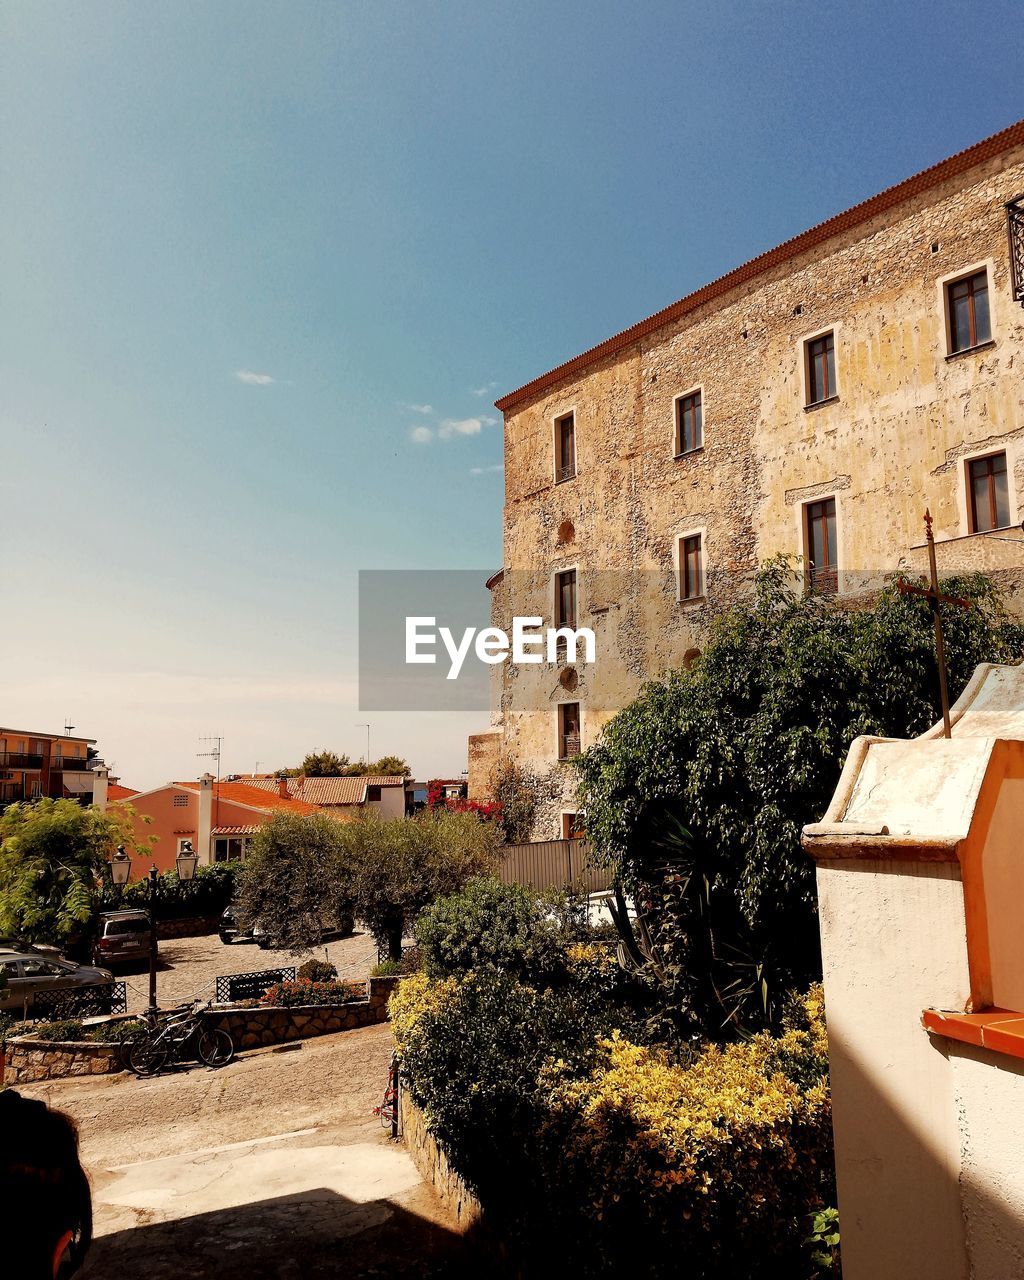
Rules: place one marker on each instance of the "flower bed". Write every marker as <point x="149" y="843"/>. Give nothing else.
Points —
<point x="287" y="1016"/>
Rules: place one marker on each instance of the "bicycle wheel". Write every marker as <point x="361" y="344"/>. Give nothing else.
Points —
<point x="215" y="1047"/>
<point x="145" y="1055"/>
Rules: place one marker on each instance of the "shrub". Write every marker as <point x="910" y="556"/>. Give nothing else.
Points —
<point x="317" y="971"/>
<point x="61" y="1029"/>
<point x="719" y="1161"/>
<point x="288" y="995"/>
<point x="489" y="925"/>
<point x="410" y="962"/>
<point x="113" y="1032"/>
<point x="601" y="1152"/>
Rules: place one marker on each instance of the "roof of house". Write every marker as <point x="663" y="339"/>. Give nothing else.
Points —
<point x="253" y="796"/>
<point x="329" y="791"/>
<point x="116" y="792"/>
<point x="52" y="737"/>
<point x="919" y="183"/>
<point x="234" y="831"/>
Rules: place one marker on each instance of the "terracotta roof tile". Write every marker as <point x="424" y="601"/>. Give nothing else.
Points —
<point x="116" y="792"/>
<point x="247" y="793"/>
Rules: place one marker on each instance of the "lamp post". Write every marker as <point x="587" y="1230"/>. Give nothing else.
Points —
<point x="120" y="870"/>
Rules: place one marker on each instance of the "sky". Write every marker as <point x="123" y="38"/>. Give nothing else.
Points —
<point x="266" y="266"/>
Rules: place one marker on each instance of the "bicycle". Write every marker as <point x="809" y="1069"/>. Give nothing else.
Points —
<point x="167" y="1037"/>
<point x="388" y="1109"/>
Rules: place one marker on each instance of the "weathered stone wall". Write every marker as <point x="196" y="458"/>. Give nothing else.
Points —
<point x="29" y="1060"/>
<point x="250" y="1028"/>
<point x="187" y="927"/>
<point x="892" y="443"/>
<point x="434" y="1168"/>
<point x="484" y="752"/>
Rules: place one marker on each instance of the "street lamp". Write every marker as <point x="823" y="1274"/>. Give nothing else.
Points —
<point x="120" y="867"/>
<point x="186" y="861"/>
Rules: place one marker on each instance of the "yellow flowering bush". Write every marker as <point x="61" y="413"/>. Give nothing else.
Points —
<point x="723" y="1158"/>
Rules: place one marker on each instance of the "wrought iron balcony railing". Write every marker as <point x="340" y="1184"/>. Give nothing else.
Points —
<point x="72" y="764"/>
<point x="1015" y="230"/>
<point x="568" y="472"/>
<point x="569" y="746"/>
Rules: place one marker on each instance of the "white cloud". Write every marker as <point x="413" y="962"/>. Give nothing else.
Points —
<point x="253" y="379"/>
<point x="452" y="427"/>
<point x="419" y="408"/>
<point x="486" y="389"/>
<point x="483" y="471"/>
<point x="421" y="435"/>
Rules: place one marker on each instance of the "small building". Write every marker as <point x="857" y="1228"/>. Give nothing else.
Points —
<point x="382" y="795"/>
<point x="217" y="818"/>
<point x="35" y="764"/>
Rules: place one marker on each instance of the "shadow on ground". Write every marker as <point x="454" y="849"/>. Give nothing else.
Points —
<point x="306" y="1236"/>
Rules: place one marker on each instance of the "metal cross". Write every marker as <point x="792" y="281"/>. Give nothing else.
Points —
<point x="932" y="594"/>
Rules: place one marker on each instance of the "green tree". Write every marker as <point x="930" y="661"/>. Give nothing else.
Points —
<point x="323" y="764"/>
<point x="397" y="868"/>
<point x="54" y="857"/>
<point x="294" y="879"/>
<point x="697" y="791"/>
<point x="390" y="767"/>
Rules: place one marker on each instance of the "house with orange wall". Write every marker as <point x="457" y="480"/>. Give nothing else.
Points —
<point x="217" y="818"/>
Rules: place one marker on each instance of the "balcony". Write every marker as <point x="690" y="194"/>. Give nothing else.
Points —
<point x="568" y="746"/>
<point x="20" y="760"/>
<point x="1015" y="228"/>
<point x="568" y="472"/>
<point x="71" y="764"/>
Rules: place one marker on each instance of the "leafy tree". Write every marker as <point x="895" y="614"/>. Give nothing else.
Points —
<point x="294" y="881"/>
<point x="390" y="767"/>
<point x="397" y="868"/>
<point x="697" y="791"/>
<point x="54" y="857"/>
<point x="323" y="764"/>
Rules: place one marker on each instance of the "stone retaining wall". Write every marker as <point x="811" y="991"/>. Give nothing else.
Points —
<point x="252" y="1027"/>
<point x="434" y="1168"/>
<point x="187" y="927"/>
<point x="30" y="1060"/>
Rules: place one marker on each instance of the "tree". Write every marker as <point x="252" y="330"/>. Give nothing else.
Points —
<point x="54" y="857"/>
<point x="397" y="868"/>
<point x="294" y="881"/>
<point x="390" y="767"/>
<point x="323" y="764"/>
<point x="697" y="792"/>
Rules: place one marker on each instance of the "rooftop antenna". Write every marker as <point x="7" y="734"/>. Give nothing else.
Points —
<point x="68" y="726"/>
<point x="367" y="728"/>
<point x="214" y="753"/>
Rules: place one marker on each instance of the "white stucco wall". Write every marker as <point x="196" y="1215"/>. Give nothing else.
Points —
<point x="989" y="1088"/>
<point x="894" y="943"/>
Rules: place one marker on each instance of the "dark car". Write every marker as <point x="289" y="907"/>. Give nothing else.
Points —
<point x="30" y="973"/>
<point x="122" y="935"/>
<point x="229" y="929"/>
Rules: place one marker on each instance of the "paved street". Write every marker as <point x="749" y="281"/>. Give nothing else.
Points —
<point x="190" y="966"/>
<point x="273" y="1167"/>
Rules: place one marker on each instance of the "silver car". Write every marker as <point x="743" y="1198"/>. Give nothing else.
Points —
<point x="29" y="972"/>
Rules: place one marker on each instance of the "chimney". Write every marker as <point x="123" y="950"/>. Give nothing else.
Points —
<point x="203" y="842"/>
<point x="282" y="788"/>
<point x="100" y="777"/>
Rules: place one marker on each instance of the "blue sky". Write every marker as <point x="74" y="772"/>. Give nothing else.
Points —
<point x="391" y="213"/>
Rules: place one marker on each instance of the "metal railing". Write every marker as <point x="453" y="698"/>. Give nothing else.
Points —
<point x="1015" y="231"/>
<point x="250" y="986"/>
<point x="547" y="864"/>
<point x="569" y="746"/>
<point x="20" y="760"/>
<point x="71" y="764"/>
<point x="93" y="1001"/>
<point x="568" y="472"/>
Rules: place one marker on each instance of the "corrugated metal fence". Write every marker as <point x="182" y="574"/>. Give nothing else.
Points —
<point x="549" y="864"/>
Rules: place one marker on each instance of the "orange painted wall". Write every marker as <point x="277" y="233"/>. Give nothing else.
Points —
<point x="170" y="823"/>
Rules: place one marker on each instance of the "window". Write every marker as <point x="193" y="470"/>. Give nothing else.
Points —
<point x="821" y="368"/>
<point x="820" y="533"/>
<point x="988" y="493"/>
<point x="565" y="447"/>
<point x="689" y="423"/>
<point x="180" y="801"/>
<point x="373" y="794"/>
<point x="572" y="826"/>
<point x="691" y="568"/>
<point x="967" y="307"/>
<point x="230" y="848"/>
<point x="568" y="730"/>
<point x="565" y="598"/>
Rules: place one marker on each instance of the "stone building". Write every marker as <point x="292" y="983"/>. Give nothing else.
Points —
<point x="812" y="402"/>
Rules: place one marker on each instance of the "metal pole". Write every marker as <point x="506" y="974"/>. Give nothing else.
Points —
<point x="152" y="938"/>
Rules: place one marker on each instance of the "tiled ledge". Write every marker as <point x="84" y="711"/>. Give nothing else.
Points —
<point x="1001" y="1030"/>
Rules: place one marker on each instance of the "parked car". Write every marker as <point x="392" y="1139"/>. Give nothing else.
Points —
<point x="29" y="973"/>
<point x="122" y="935"/>
<point x="229" y="929"/>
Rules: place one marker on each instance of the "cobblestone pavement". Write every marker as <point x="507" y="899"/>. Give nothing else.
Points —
<point x="273" y="1168"/>
<point x="190" y="966"/>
